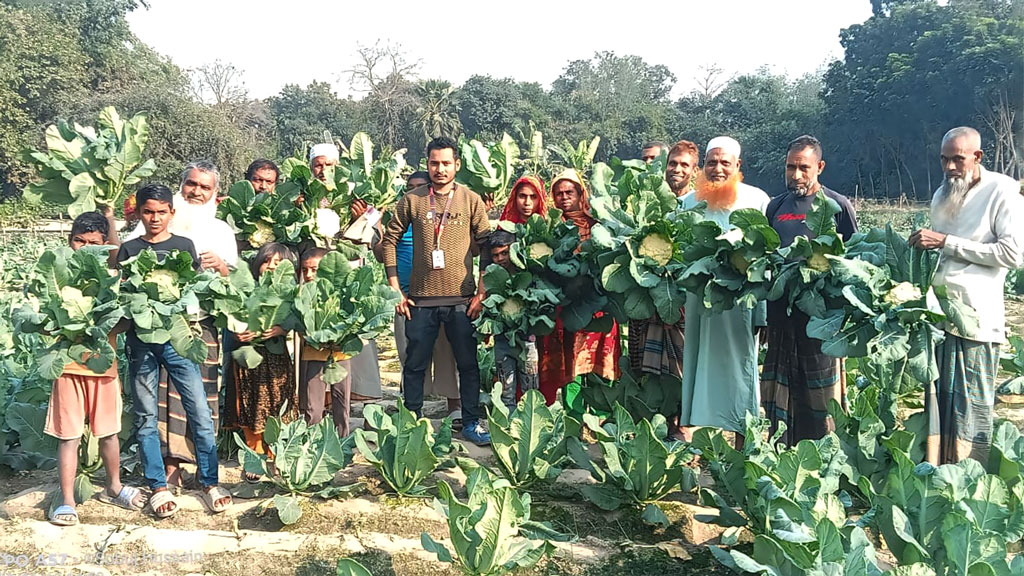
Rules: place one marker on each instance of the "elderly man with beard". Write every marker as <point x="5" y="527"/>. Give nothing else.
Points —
<point x="195" y="218"/>
<point x="363" y="378"/>
<point x="797" y="379"/>
<point x="978" y="226"/>
<point x="720" y="377"/>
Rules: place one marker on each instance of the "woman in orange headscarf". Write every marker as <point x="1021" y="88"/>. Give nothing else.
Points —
<point x="527" y="198"/>
<point x="566" y="355"/>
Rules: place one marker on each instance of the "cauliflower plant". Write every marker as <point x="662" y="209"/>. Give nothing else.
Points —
<point x="512" y="308"/>
<point x="261" y="235"/>
<point x="657" y="247"/>
<point x="539" y="250"/>
<point x="902" y="293"/>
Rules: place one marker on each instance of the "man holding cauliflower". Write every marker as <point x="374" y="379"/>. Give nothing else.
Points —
<point x="797" y="379"/>
<point x="720" y="373"/>
<point x="977" y="224"/>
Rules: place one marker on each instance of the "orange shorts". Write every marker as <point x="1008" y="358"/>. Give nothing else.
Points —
<point x="76" y="398"/>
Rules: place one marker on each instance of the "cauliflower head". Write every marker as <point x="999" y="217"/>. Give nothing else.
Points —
<point x="166" y="282"/>
<point x="263" y="234"/>
<point x="539" y="250"/>
<point x="818" y="262"/>
<point x="328" y="223"/>
<point x="902" y="293"/>
<point x="512" y="308"/>
<point x="657" y="247"/>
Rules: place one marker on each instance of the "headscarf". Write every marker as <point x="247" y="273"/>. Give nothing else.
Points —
<point x="582" y="217"/>
<point x="511" y="213"/>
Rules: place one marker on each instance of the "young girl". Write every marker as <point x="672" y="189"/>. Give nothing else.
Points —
<point x="263" y="390"/>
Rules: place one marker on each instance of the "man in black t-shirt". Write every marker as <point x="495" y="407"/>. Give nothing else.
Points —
<point x="798" y="380"/>
<point x="155" y="208"/>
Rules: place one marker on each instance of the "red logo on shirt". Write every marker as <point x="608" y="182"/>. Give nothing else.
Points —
<point x="790" y="217"/>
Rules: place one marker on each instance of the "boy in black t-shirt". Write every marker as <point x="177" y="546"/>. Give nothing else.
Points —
<point x="155" y="208"/>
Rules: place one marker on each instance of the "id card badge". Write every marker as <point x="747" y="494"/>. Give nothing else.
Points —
<point x="437" y="259"/>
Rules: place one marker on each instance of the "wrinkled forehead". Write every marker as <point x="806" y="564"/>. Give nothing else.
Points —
<point x="959" y="146"/>
<point x="325" y="160"/>
<point x="565" y="185"/>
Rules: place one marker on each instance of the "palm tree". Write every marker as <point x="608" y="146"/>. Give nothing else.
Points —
<point x="437" y="113"/>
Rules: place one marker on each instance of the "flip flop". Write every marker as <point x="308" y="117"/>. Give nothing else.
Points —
<point x="212" y="495"/>
<point x="125" y="499"/>
<point x="158" y="499"/>
<point x="64" y="510"/>
<point x="456" y="418"/>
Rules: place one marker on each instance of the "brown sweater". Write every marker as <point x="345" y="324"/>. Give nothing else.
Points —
<point x="467" y="227"/>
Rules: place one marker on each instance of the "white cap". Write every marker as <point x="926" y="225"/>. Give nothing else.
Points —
<point x="727" y="144"/>
<point x="329" y="150"/>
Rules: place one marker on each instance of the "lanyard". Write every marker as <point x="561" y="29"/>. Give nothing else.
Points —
<point x="439" y="222"/>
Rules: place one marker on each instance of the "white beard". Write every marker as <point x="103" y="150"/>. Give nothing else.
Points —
<point x="189" y="217"/>
<point x="954" y="192"/>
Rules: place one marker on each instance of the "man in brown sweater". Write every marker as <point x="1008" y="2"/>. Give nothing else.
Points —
<point x="447" y="221"/>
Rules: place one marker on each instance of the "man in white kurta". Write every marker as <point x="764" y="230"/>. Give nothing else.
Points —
<point x="720" y="377"/>
<point x="977" y="223"/>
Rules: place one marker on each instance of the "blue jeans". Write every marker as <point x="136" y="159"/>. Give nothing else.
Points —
<point x="144" y="362"/>
<point x="421" y="333"/>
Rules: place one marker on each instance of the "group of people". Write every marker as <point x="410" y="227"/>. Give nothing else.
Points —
<point x="429" y="247"/>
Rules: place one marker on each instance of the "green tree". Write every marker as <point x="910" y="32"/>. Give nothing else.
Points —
<point x="489" y="107"/>
<point x="910" y="73"/>
<point x="42" y="72"/>
<point x="621" y="98"/>
<point x="437" y="113"/>
<point x="301" y="115"/>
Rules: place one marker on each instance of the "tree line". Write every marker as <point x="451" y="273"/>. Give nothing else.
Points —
<point x="911" y="71"/>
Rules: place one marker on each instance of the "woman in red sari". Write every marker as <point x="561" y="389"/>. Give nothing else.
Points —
<point x="566" y="355"/>
<point x="527" y="198"/>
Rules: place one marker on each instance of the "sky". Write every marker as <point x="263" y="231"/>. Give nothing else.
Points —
<point x="299" y="41"/>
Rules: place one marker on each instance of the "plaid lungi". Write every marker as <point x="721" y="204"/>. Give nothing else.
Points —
<point x="797" y="382"/>
<point x="960" y="403"/>
<point x="656" y="347"/>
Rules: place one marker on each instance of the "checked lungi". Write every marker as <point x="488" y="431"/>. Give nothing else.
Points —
<point x="960" y="403"/>
<point x="797" y="382"/>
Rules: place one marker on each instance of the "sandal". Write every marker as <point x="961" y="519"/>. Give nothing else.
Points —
<point x="64" y="510"/>
<point x="456" y="418"/>
<point x="125" y="498"/>
<point x="212" y="494"/>
<point x="161" y="498"/>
